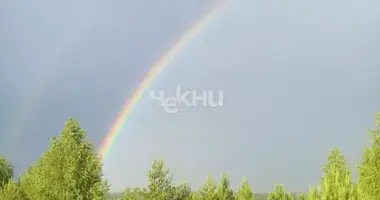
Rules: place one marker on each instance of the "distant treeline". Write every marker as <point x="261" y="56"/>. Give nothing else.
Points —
<point x="70" y="169"/>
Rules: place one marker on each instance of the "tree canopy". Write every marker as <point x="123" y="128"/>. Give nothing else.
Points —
<point x="6" y="172"/>
<point x="71" y="169"/>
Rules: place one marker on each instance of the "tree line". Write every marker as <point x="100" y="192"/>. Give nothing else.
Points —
<point x="70" y="169"/>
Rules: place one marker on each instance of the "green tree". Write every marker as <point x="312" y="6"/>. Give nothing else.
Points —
<point x="6" y="172"/>
<point x="160" y="182"/>
<point x="369" y="169"/>
<point x="301" y="197"/>
<point x="223" y="190"/>
<point x="194" y="196"/>
<point x="12" y="191"/>
<point x="135" y="194"/>
<point x="279" y="193"/>
<point x="208" y="191"/>
<point x="354" y="192"/>
<point x="244" y="191"/>
<point x="128" y="194"/>
<point x="69" y="169"/>
<point x="182" y="192"/>
<point x="313" y="194"/>
<point x="336" y="181"/>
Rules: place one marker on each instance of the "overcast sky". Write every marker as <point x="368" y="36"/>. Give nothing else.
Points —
<point x="299" y="78"/>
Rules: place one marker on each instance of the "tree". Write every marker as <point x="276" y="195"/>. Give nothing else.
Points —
<point x="354" y="192"/>
<point x="6" y="172"/>
<point x="336" y="181"/>
<point x="208" y="191"/>
<point x="301" y="197"/>
<point x="194" y="196"/>
<point x="135" y="194"/>
<point x="223" y="190"/>
<point x="313" y="193"/>
<point x="244" y="191"/>
<point x="69" y="169"/>
<point x="279" y="193"/>
<point x="369" y="169"/>
<point x="182" y="192"/>
<point x="160" y="182"/>
<point x="12" y="191"/>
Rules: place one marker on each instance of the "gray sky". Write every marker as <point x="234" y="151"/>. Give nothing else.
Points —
<point x="299" y="78"/>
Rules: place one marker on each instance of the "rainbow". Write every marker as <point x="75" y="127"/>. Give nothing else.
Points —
<point x="127" y="108"/>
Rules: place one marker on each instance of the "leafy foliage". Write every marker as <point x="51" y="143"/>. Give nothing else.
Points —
<point x="223" y="190"/>
<point x="208" y="191"/>
<point x="70" y="169"/>
<point x="135" y="194"/>
<point x="244" y="191"/>
<point x="336" y="183"/>
<point x="369" y="169"/>
<point x="279" y="193"/>
<point x="6" y="172"/>
<point x="12" y="191"/>
<point x="314" y="193"/>
<point x="302" y="197"/>
<point x="160" y="182"/>
<point x="182" y="192"/>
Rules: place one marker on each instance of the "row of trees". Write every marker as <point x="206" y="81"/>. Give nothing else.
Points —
<point x="71" y="170"/>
